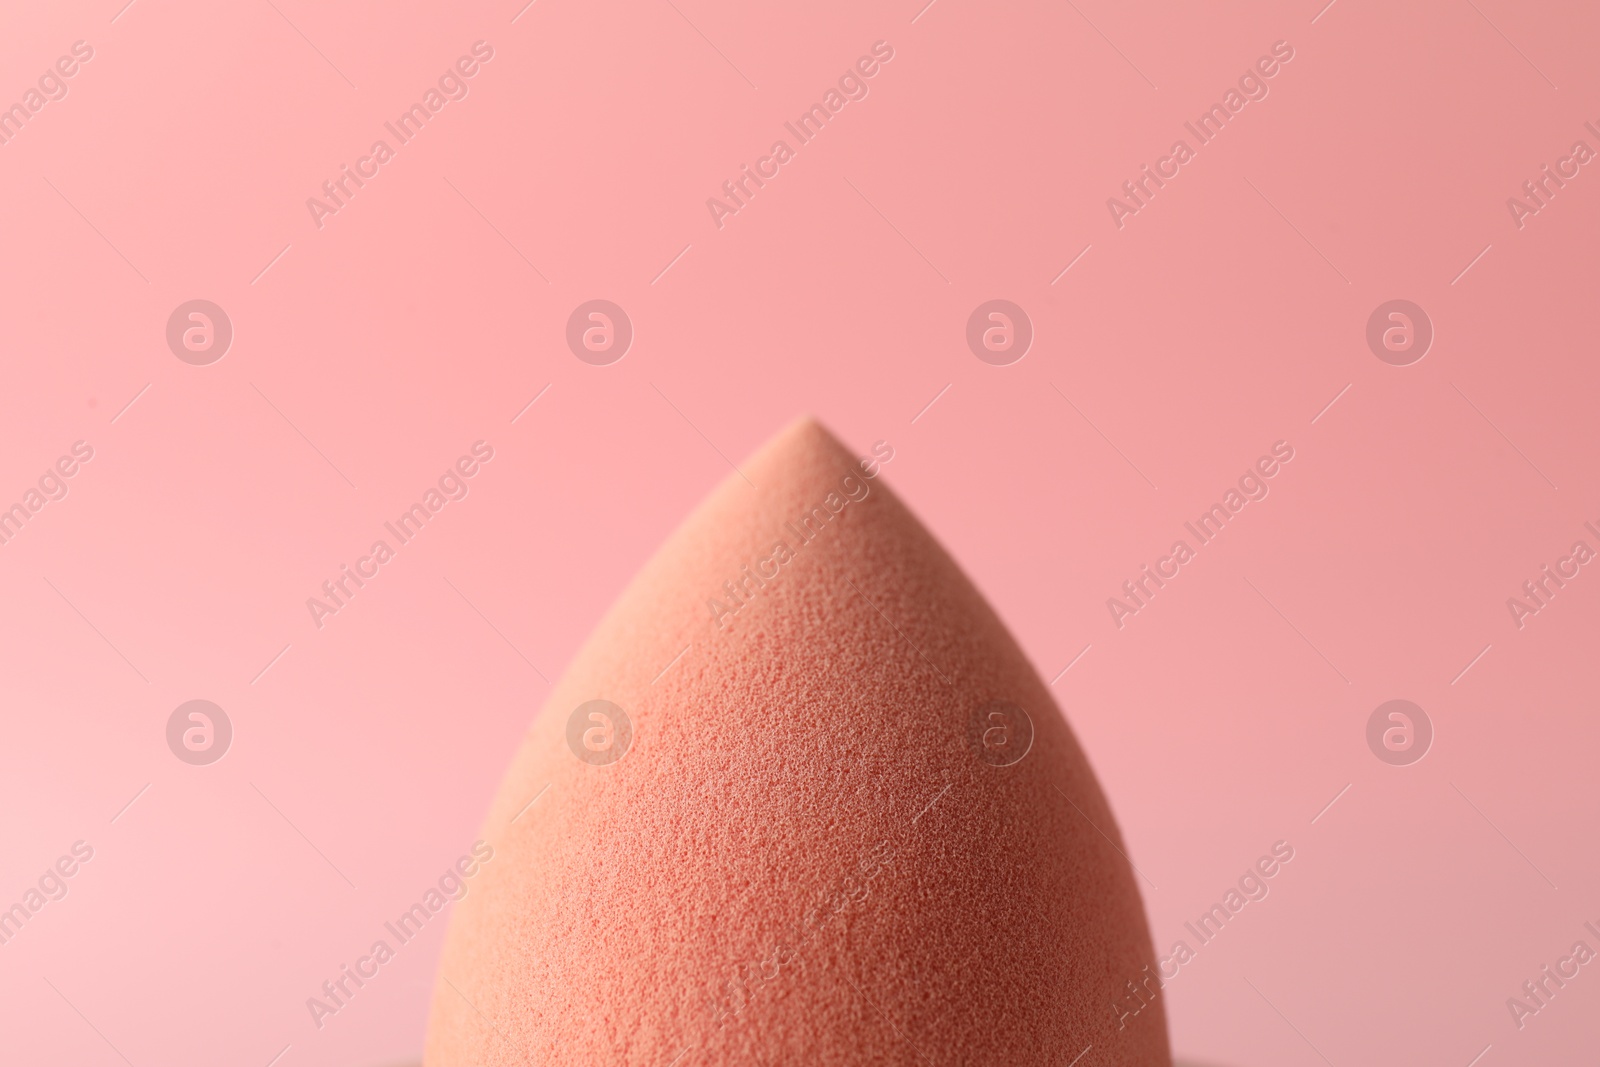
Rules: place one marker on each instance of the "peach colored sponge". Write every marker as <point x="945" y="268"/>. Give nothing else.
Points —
<point x="847" y="826"/>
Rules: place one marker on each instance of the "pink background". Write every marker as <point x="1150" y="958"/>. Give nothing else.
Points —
<point x="1223" y="317"/>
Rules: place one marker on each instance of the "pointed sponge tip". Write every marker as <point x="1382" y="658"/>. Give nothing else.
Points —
<point x="799" y="799"/>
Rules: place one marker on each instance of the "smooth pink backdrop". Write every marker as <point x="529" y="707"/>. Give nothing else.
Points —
<point x="427" y="313"/>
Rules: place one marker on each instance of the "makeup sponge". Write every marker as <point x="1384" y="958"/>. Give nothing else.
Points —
<point x="800" y="799"/>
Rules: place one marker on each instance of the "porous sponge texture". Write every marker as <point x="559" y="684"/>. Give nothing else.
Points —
<point x="803" y="857"/>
